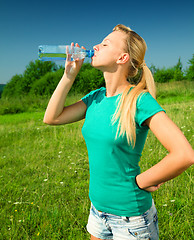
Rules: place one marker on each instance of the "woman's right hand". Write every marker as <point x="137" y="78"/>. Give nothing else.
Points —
<point x="72" y="67"/>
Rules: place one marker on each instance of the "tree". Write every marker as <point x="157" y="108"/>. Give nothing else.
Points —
<point x="164" y="75"/>
<point x="153" y="69"/>
<point x="178" y="74"/>
<point x="34" y="71"/>
<point x="21" y="84"/>
<point x="190" y="70"/>
<point x="88" y="79"/>
<point x="11" y="88"/>
<point x="46" y="84"/>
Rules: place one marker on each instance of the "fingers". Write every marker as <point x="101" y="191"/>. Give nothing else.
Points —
<point x="68" y="54"/>
<point x="77" y="45"/>
<point x="70" y="51"/>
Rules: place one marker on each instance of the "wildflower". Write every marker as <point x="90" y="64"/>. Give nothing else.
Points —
<point x="75" y="171"/>
<point x="38" y="234"/>
<point x="165" y="205"/>
<point x="188" y="130"/>
<point x="59" y="156"/>
<point x="61" y="183"/>
<point x="60" y="152"/>
<point x="45" y="180"/>
<point x="16" y="210"/>
<point x="32" y="203"/>
<point x="172" y="200"/>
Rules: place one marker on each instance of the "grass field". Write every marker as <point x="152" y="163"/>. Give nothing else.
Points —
<point x="44" y="175"/>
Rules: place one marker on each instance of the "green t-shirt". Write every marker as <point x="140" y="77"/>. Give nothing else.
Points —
<point x="113" y="162"/>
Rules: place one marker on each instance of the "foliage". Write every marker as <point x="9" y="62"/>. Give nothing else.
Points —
<point x="34" y="71"/>
<point x="1" y="88"/>
<point x="88" y="79"/>
<point x="12" y="88"/>
<point x="164" y="75"/>
<point x="166" y="93"/>
<point x="21" y="84"/>
<point x="168" y="74"/>
<point x="26" y="103"/>
<point x="190" y="70"/>
<point x="47" y="83"/>
<point x="41" y="78"/>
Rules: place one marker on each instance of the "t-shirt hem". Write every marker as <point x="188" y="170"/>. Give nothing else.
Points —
<point x="124" y="213"/>
<point x="150" y="115"/>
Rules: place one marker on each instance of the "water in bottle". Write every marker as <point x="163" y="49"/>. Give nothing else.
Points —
<point x="59" y="52"/>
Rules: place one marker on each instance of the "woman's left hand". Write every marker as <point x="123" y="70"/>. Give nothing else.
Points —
<point x="153" y="188"/>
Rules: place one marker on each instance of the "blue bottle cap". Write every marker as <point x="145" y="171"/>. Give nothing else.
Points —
<point x="90" y="53"/>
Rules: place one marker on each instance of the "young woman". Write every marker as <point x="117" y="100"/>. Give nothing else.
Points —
<point x="117" y="119"/>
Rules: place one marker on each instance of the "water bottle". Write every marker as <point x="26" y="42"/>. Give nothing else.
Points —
<point x="59" y="52"/>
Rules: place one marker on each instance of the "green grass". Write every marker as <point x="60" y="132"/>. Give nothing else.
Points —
<point x="44" y="177"/>
<point x="171" y="92"/>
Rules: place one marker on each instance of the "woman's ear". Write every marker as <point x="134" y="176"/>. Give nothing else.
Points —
<point x="123" y="58"/>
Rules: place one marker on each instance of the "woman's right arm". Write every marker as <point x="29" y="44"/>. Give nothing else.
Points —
<point x="56" y="113"/>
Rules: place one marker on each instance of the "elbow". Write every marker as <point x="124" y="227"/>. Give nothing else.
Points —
<point x="51" y="121"/>
<point x="191" y="157"/>
<point x="188" y="157"/>
<point x="48" y="121"/>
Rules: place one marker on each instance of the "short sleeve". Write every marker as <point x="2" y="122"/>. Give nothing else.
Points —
<point x="88" y="99"/>
<point x="147" y="106"/>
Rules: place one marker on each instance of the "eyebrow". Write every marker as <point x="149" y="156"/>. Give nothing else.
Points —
<point x="106" y="40"/>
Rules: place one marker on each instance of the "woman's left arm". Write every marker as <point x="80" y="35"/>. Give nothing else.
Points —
<point x="180" y="157"/>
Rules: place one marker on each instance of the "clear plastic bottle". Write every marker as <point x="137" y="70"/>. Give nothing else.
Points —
<point x="59" y="52"/>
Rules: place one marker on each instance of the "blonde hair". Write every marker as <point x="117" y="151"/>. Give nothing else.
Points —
<point x="126" y="109"/>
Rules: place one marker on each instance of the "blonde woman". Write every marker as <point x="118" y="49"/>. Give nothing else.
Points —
<point x="117" y="119"/>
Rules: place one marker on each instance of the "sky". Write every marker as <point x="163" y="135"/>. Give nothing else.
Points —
<point x="166" y="26"/>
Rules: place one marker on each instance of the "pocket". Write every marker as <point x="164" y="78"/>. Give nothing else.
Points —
<point x="140" y="233"/>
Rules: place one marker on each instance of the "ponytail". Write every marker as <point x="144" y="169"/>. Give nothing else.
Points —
<point x="126" y="109"/>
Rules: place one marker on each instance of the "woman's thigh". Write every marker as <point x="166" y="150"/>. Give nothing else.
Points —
<point x="94" y="238"/>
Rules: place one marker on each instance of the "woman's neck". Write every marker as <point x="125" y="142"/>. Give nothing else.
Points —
<point x="115" y="83"/>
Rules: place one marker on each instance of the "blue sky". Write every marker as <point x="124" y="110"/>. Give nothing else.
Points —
<point x="166" y="26"/>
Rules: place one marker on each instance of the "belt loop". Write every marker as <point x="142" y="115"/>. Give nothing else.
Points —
<point x="126" y="219"/>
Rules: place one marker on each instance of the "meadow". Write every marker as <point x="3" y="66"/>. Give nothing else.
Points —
<point x="44" y="174"/>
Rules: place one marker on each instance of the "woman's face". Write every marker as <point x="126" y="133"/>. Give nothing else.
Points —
<point x="107" y="53"/>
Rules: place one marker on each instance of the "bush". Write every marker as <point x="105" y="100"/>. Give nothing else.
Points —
<point x="46" y="84"/>
<point x="88" y="79"/>
<point x="190" y="70"/>
<point x="164" y="75"/>
<point x="178" y="75"/>
<point x="12" y="87"/>
<point x="21" y="85"/>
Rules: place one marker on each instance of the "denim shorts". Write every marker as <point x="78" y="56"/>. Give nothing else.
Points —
<point x="108" y="226"/>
